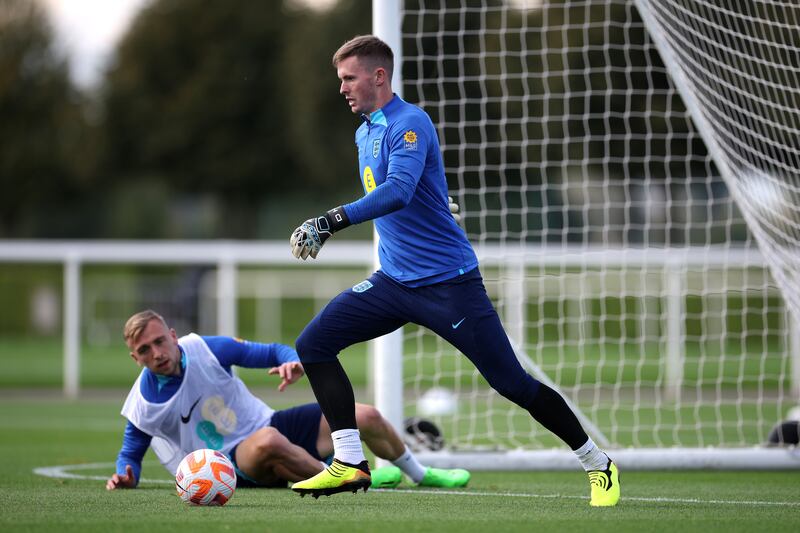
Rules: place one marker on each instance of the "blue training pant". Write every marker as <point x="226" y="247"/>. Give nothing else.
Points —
<point x="458" y="310"/>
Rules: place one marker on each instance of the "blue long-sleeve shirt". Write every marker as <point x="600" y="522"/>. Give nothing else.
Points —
<point x="401" y="169"/>
<point x="156" y="388"/>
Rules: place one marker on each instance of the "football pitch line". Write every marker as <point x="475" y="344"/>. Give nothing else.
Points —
<point x="66" y="472"/>
<point x="566" y="496"/>
<point x="62" y="472"/>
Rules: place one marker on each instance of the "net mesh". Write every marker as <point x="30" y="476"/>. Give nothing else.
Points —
<point x="611" y="241"/>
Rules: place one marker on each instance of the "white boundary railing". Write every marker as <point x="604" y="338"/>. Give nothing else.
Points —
<point x="229" y="256"/>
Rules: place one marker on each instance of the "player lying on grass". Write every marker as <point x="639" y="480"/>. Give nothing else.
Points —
<point x="187" y="398"/>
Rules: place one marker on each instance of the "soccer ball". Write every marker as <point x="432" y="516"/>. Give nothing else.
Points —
<point x="205" y="477"/>
<point x="770" y="197"/>
<point x="437" y="401"/>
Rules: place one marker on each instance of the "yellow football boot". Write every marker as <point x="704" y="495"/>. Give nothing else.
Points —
<point x="338" y="477"/>
<point x="605" y="486"/>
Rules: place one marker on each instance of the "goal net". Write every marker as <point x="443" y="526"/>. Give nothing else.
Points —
<point x="628" y="173"/>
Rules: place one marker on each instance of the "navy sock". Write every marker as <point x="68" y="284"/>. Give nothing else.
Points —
<point x="550" y="410"/>
<point x="334" y="393"/>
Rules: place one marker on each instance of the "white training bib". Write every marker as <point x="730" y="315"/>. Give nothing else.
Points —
<point x="211" y="409"/>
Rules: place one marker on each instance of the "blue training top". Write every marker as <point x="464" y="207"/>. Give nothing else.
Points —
<point x="402" y="172"/>
<point x="156" y="388"/>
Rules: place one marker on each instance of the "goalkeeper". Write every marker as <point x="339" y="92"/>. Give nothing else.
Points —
<point x="187" y="398"/>
<point x="429" y="276"/>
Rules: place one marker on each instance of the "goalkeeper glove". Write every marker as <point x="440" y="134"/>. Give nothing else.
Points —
<point x="308" y="238"/>
<point x="454" y="209"/>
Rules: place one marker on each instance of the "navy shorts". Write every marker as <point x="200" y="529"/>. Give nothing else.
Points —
<point x="299" y="424"/>
<point x="458" y="310"/>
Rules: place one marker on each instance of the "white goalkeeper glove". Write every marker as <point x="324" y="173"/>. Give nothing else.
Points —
<point x="454" y="208"/>
<point x="308" y="238"/>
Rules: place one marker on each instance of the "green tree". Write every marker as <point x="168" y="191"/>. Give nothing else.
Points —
<point x="231" y="100"/>
<point x="44" y="159"/>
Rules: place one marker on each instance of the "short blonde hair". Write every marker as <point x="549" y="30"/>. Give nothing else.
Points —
<point x="136" y="324"/>
<point x="367" y="48"/>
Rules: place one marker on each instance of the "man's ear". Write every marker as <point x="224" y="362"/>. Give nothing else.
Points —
<point x="133" y="356"/>
<point x="380" y="76"/>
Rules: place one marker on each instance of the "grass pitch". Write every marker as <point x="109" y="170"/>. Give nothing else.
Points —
<point x="83" y="437"/>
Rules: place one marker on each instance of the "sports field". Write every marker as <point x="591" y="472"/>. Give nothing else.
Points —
<point x="76" y="442"/>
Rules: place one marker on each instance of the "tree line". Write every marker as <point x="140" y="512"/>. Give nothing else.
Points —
<point x="223" y="119"/>
<point x="209" y="115"/>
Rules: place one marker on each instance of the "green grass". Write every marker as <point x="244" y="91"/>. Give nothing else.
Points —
<point x="38" y="362"/>
<point x="495" y="422"/>
<point x="631" y="414"/>
<point x="52" y="432"/>
<point x="737" y="365"/>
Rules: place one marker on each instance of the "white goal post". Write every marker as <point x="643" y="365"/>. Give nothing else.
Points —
<point x="628" y="171"/>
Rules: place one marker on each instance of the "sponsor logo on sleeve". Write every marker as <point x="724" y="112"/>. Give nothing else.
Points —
<point x="410" y="140"/>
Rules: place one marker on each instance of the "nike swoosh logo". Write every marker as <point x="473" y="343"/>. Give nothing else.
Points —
<point x="455" y="326"/>
<point x="185" y="419"/>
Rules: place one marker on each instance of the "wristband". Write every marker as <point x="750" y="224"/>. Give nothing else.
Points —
<point x="337" y="219"/>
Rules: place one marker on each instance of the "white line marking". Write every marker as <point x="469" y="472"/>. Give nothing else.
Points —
<point x="63" y="473"/>
<point x="567" y="496"/>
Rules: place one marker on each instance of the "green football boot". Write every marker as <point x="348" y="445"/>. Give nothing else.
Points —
<point x="386" y="477"/>
<point x="439" y="477"/>
<point x="338" y="477"/>
<point x="605" y="486"/>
